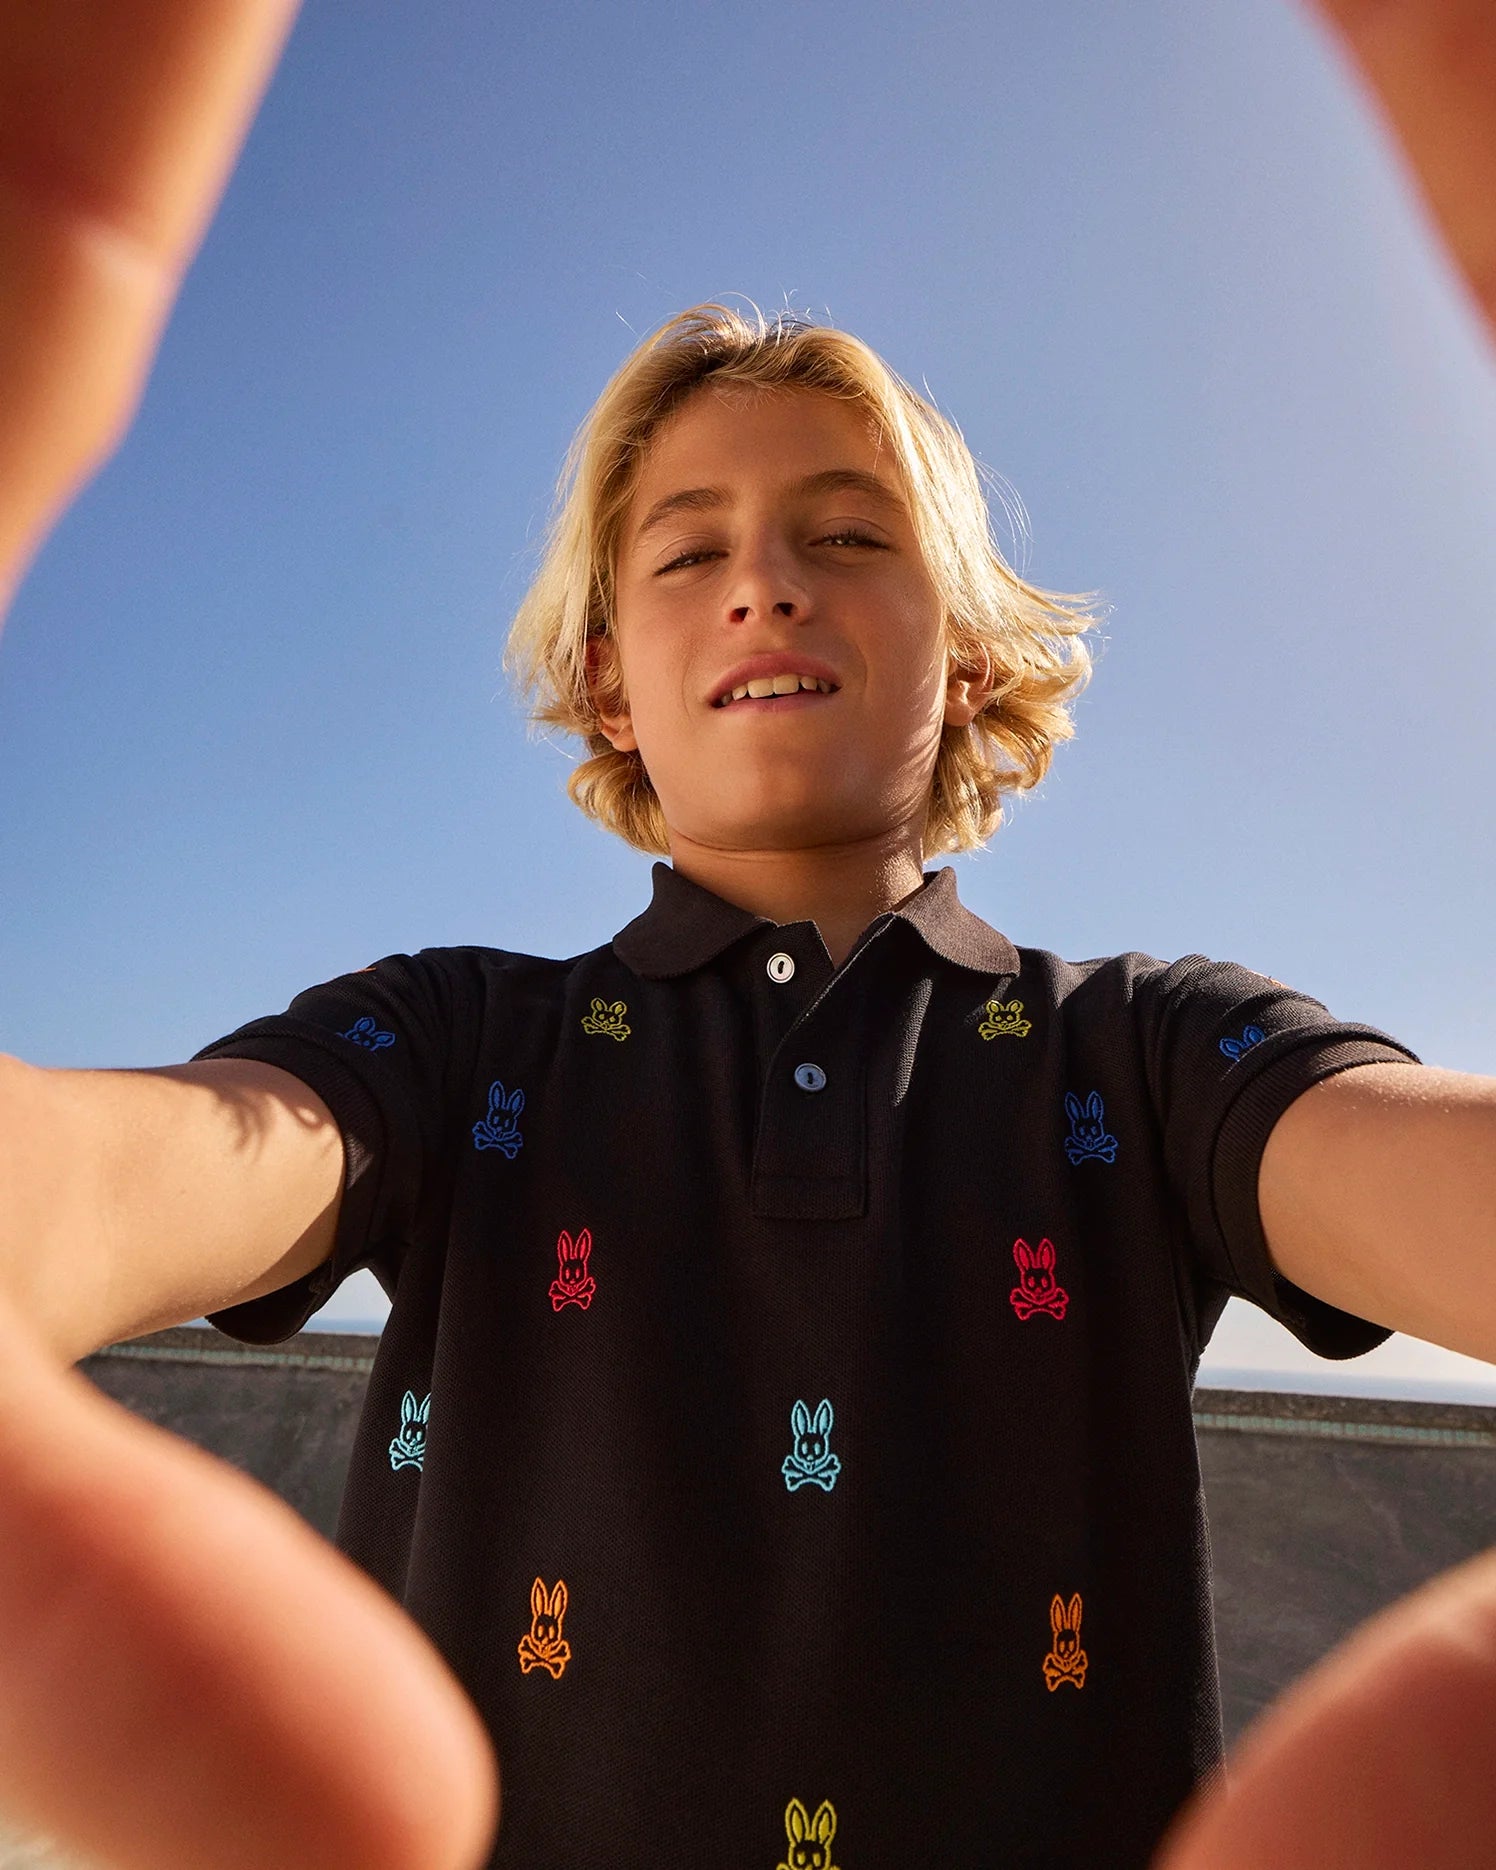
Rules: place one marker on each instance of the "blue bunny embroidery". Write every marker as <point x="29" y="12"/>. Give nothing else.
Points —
<point x="607" y="1019"/>
<point x="544" y="1647"/>
<point x="408" y="1449"/>
<point x="810" y="1838"/>
<point x="1066" y="1661"/>
<point x="573" y="1285"/>
<point x="1037" y="1290"/>
<point x="500" y="1128"/>
<point x="1088" y="1134"/>
<point x="1004" y="1019"/>
<point x="366" y="1032"/>
<point x="812" y="1460"/>
<point x="1233" y="1048"/>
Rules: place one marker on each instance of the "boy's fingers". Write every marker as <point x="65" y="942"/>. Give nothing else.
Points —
<point x="1378" y="1759"/>
<point x="120" y="122"/>
<point x="1432" y="65"/>
<point x="132" y="112"/>
<point x="193" y="1679"/>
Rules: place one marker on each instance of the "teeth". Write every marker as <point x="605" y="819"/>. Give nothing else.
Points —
<point x="765" y="686"/>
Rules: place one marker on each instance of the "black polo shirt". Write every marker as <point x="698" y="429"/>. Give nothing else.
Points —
<point x="783" y="1422"/>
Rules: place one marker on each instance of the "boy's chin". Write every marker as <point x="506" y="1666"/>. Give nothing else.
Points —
<point x="802" y="825"/>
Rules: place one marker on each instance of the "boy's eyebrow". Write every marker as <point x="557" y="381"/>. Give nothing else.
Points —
<point x="828" y="480"/>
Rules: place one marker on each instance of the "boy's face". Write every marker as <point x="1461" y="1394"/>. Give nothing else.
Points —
<point x="760" y="571"/>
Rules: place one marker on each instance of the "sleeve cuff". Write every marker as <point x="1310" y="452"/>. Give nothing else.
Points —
<point x="1248" y="1122"/>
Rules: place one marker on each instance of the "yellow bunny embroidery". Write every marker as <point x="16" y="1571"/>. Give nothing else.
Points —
<point x="1004" y="1019"/>
<point x="543" y="1648"/>
<point x="1066" y="1661"/>
<point x="810" y="1838"/>
<point x="608" y="1019"/>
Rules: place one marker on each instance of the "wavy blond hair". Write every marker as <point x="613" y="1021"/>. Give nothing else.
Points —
<point x="1027" y="639"/>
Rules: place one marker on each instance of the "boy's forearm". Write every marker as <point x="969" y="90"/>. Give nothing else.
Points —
<point x="44" y="1169"/>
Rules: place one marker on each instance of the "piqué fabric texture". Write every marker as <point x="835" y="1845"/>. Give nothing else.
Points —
<point x="782" y="1425"/>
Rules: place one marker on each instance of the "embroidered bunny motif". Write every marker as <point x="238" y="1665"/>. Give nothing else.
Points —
<point x="544" y="1647"/>
<point x="408" y="1449"/>
<point x="1066" y="1661"/>
<point x="500" y="1128"/>
<point x="810" y="1838"/>
<point x="573" y="1285"/>
<point x="1037" y="1290"/>
<point x="1004" y="1019"/>
<point x="1233" y="1048"/>
<point x="1088" y="1134"/>
<point x="608" y="1019"/>
<point x="812" y="1459"/>
<point x="365" y="1032"/>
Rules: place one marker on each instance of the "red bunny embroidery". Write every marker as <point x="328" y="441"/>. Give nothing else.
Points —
<point x="1037" y="1291"/>
<point x="573" y="1285"/>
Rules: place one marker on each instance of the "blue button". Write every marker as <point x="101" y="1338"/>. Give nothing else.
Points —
<point x="810" y="1077"/>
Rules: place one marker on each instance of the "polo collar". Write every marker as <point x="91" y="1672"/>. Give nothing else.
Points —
<point x="687" y="925"/>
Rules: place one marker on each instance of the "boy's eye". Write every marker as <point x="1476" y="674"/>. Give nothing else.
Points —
<point x="844" y="535"/>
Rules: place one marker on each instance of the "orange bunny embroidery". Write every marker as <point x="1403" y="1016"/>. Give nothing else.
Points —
<point x="1037" y="1291"/>
<point x="810" y="1838"/>
<point x="543" y="1647"/>
<point x="573" y="1285"/>
<point x="1066" y="1661"/>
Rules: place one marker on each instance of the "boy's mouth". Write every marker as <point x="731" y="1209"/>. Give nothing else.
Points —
<point x="777" y="692"/>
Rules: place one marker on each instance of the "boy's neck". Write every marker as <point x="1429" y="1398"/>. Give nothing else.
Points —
<point x="839" y="888"/>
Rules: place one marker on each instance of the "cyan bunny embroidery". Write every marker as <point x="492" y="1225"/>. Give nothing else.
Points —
<point x="1233" y="1048"/>
<point x="812" y="1459"/>
<point x="366" y="1032"/>
<point x="408" y="1449"/>
<point x="606" y="1018"/>
<point x="543" y="1647"/>
<point x="810" y="1838"/>
<point x="500" y="1128"/>
<point x="573" y="1285"/>
<point x="1066" y="1661"/>
<point x="1088" y="1135"/>
<point x="1036" y="1290"/>
<point x="1004" y="1019"/>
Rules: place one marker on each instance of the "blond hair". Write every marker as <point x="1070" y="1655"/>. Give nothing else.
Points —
<point x="1027" y="639"/>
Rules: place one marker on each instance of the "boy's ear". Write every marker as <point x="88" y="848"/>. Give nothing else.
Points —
<point x="618" y="728"/>
<point x="969" y="687"/>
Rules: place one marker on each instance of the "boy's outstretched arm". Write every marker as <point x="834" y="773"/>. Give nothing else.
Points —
<point x="1380" y="1758"/>
<point x="190" y="1677"/>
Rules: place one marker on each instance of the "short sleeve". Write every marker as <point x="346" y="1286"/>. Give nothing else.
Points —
<point x="1226" y="1051"/>
<point x="376" y="1046"/>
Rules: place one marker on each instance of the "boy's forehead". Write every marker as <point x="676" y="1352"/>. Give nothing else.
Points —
<point x="801" y="440"/>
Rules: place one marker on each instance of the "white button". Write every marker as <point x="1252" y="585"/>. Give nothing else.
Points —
<point x="781" y="967"/>
<point x="810" y="1077"/>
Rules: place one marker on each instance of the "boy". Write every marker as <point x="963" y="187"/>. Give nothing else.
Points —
<point x="782" y="1426"/>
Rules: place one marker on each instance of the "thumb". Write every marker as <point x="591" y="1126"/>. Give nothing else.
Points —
<point x="1377" y="1759"/>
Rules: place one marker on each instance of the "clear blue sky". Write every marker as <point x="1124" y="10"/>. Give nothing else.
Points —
<point x="1157" y="261"/>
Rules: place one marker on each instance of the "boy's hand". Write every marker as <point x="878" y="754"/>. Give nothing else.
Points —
<point x="190" y="1677"/>
<point x="1377" y="1759"/>
<point x="120" y="122"/>
<point x="1431" y="66"/>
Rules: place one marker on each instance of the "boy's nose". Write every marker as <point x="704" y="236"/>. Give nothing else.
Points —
<point x="782" y="607"/>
